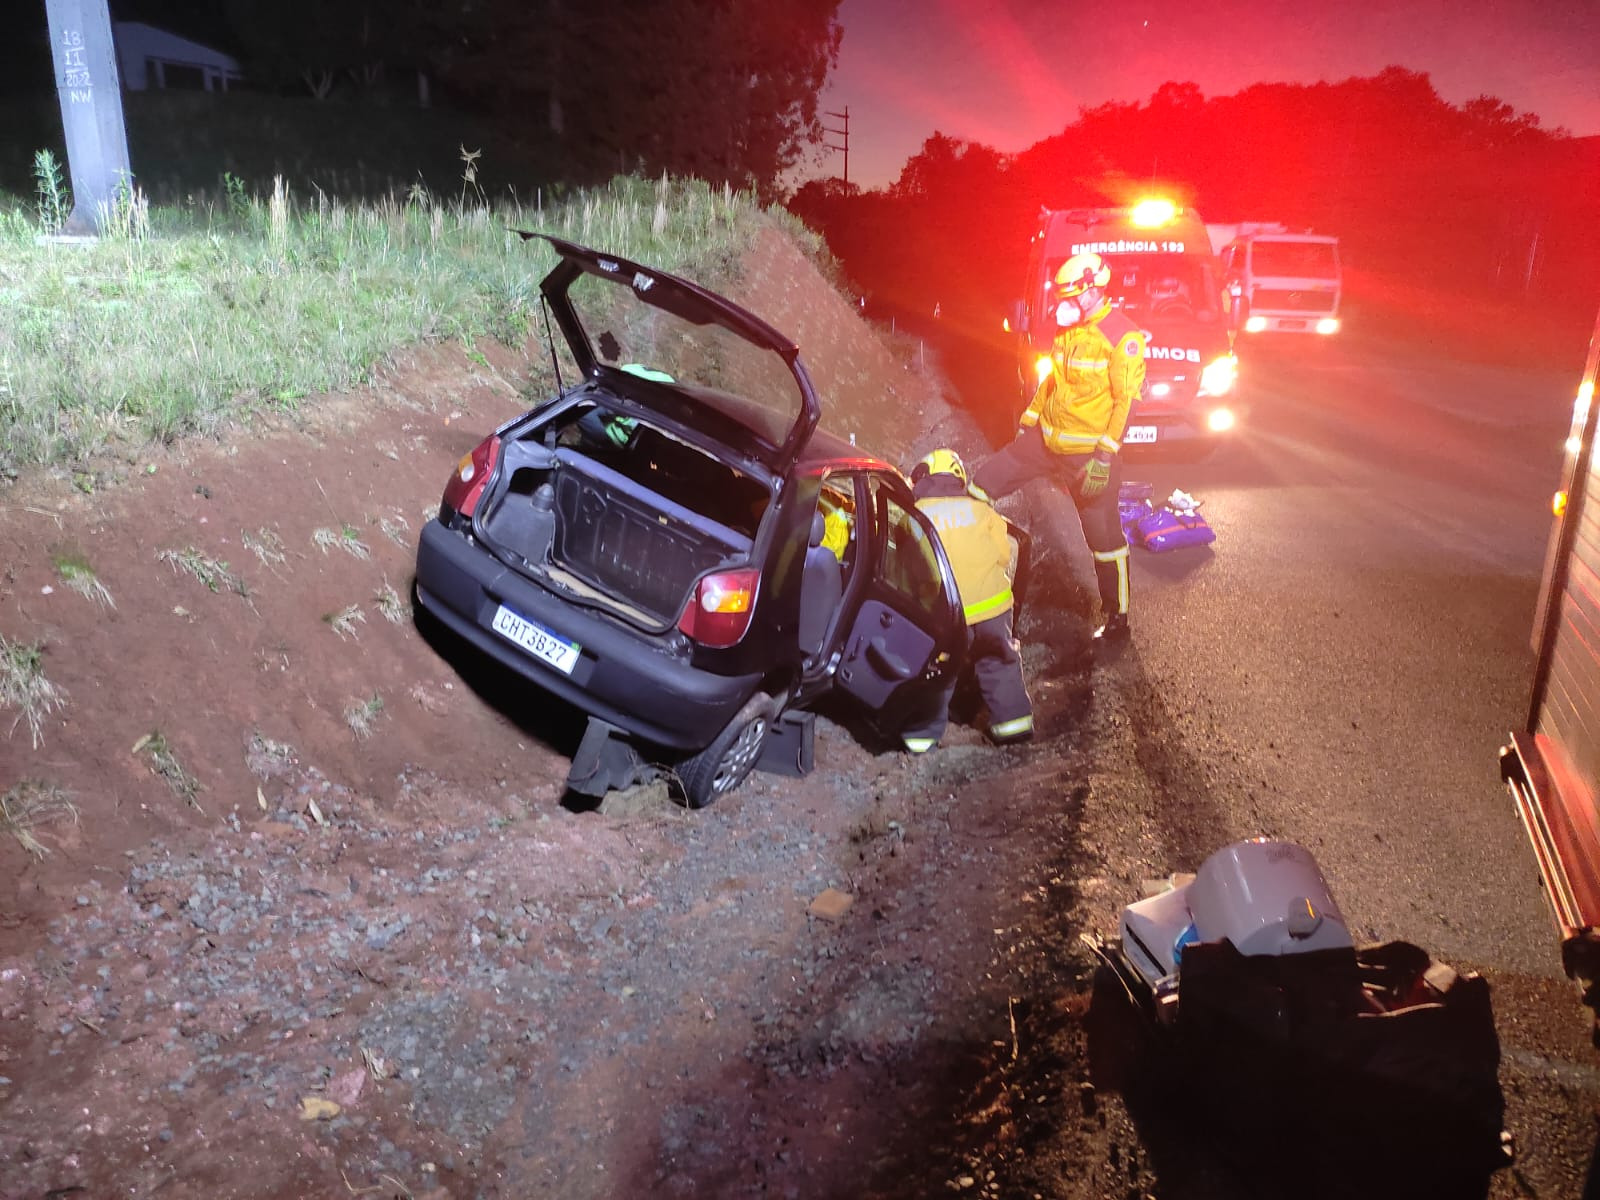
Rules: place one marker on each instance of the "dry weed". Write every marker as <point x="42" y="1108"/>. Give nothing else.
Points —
<point x="164" y="763"/>
<point x="24" y="687"/>
<point x="362" y="715"/>
<point x="79" y="576"/>
<point x="212" y="572"/>
<point x="344" y="621"/>
<point x="389" y="603"/>
<point x="31" y="805"/>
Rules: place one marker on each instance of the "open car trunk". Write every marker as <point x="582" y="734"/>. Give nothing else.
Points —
<point x="618" y="513"/>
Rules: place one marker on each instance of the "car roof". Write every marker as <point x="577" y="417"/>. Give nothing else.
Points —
<point x="826" y="449"/>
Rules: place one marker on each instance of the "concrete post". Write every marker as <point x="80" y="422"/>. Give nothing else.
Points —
<point x="91" y="108"/>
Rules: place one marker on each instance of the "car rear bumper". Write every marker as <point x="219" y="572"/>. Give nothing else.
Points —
<point x="620" y="676"/>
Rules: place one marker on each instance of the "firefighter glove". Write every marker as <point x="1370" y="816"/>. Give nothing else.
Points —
<point x="1096" y="474"/>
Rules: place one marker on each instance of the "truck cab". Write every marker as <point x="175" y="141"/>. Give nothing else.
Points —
<point x="1278" y="280"/>
<point x="1164" y="277"/>
<point x="1552" y="764"/>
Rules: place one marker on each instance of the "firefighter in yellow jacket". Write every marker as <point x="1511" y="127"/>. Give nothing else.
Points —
<point x="979" y="547"/>
<point x="1072" y="430"/>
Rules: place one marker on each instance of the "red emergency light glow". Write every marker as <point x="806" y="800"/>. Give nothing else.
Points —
<point x="1152" y="213"/>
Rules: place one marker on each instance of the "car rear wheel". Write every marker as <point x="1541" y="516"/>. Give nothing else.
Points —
<point x="729" y="759"/>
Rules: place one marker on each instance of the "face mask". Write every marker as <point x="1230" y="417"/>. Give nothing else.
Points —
<point x="1068" y="313"/>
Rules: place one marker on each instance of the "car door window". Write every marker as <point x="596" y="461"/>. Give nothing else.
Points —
<point x="910" y="563"/>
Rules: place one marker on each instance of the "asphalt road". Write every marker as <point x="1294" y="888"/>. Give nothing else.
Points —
<point x="1344" y="663"/>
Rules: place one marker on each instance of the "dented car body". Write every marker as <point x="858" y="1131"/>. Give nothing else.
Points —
<point x="672" y="545"/>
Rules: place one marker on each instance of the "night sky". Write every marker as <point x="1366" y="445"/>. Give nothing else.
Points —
<point x="1010" y="72"/>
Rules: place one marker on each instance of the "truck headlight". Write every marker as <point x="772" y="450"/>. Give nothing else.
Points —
<point x="1219" y="376"/>
<point x="1328" y="325"/>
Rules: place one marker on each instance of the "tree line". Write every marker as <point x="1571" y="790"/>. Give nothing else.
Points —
<point x="1470" y="210"/>
<point x="724" y="90"/>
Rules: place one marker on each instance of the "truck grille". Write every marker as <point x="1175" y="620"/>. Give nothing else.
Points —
<point x="1283" y="300"/>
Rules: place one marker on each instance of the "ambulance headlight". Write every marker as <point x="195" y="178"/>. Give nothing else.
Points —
<point x="1219" y="376"/>
<point x="1220" y="420"/>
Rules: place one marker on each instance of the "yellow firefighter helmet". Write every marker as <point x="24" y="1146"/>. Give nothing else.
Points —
<point x="1080" y="273"/>
<point x="942" y="461"/>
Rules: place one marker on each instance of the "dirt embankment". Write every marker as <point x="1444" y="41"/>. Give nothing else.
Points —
<point x="321" y="923"/>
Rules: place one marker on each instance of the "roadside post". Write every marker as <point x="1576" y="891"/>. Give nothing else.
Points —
<point x="90" y="94"/>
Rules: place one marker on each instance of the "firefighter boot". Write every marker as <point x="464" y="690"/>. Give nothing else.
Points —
<point x="1114" y="630"/>
<point x="1111" y="573"/>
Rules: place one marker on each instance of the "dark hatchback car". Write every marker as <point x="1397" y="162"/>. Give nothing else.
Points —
<point x="671" y="544"/>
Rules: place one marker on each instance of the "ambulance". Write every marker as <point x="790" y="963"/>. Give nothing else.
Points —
<point x="1165" y="277"/>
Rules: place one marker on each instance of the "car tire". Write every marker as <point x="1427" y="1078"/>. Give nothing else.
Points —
<point x="728" y="760"/>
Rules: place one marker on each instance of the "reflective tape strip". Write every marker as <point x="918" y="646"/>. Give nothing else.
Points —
<point x="1110" y="555"/>
<point x="1110" y="443"/>
<point x="1008" y="729"/>
<point x="999" y="602"/>
<point x="1067" y="442"/>
<point x="920" y="745"/>
<point x="1122" y="584"/>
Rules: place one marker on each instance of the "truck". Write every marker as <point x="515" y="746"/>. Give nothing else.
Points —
<point x="1552" y="764"/>
<point x="1279" y="280"/>
<point x="1165" y="277"/>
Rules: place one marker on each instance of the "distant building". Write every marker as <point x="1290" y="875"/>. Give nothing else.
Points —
<point x="148" y="57"/>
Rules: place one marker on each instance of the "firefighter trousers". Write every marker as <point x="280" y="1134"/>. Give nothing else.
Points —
<point x="1028" y="458"/>
<point x="996" y="661"/>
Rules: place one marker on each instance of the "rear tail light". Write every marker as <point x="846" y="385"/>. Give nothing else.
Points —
<point x="718" y="613"/>
<point x="471" y="474"/>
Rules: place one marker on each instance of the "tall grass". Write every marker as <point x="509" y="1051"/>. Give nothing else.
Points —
<point x="192" y="319"/>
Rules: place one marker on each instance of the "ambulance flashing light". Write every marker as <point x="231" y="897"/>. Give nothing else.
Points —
<point x="1153" y="212"/>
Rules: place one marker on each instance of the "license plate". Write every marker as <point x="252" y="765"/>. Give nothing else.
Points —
<point x="1139" y="433"/>
<point x="1291" y="324"/>
<point x="536" y="640"/>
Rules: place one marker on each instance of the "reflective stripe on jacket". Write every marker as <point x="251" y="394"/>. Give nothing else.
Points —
<point x="1096" y="372"/>
<point x="978" y="545"/>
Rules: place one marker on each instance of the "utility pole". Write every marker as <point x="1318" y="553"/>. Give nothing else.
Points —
<point x="844" y="132"/>
<point x="91" y="109"/>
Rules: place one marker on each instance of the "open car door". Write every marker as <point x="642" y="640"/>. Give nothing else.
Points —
<point x="909" y="634"/>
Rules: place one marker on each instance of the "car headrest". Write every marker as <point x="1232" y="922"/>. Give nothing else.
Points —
<point x="819" y="528"/>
